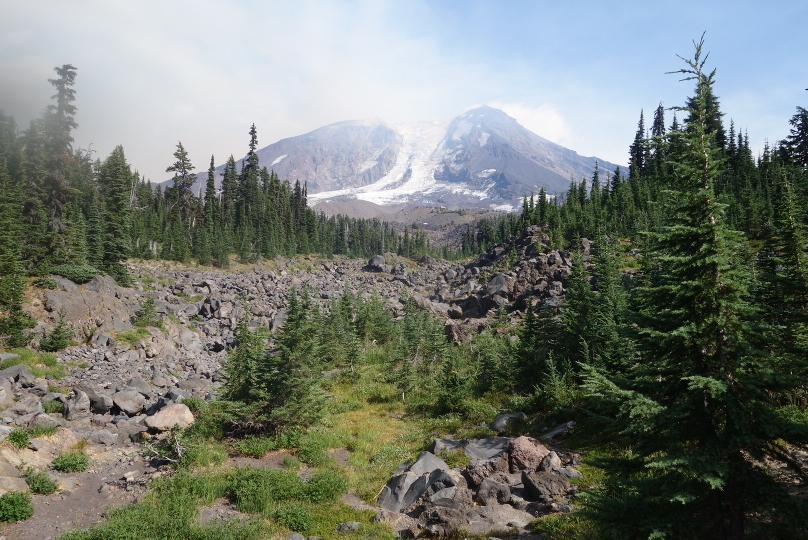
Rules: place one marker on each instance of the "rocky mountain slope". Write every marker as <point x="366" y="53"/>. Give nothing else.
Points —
<point x="480" y="159"/>
<point x="121" y="386"/>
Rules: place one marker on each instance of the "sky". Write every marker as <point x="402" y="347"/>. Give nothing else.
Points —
<point x="152" y="73"/>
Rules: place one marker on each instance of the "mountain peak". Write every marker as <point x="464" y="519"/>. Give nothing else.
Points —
<point x="483" y="158"/>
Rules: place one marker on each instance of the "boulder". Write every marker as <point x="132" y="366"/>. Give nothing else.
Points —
<point x="476" y="471"/>
<point x="6" y="394"/>
<point x="500" y="423"/>
<point x="136" y="383"/>
<point x="170" y="416"/>
<point x="492" y="492"/>
<point x="14" y="372"/>
<point x="77" y="406"/>
<point x="129" y="401"/>
<point x="559" y="431"/>
<point x="349" y="526"/>
<point x="376" y="264"/>
<point x="103" y="437"/>
<point x="426" y="463"/>
<point x="527" y="453"/>
<point x="550" y="462"/>
<point x="499" y="285"/>
<point x="488" y="448"/>
<point x="545" y="485"/>
<point x="10" y="483"/>
<point x="26" y="406"/>
<point x="442" y="521"/>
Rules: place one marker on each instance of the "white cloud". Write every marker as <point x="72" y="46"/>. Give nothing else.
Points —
<point x="545" y="120"/>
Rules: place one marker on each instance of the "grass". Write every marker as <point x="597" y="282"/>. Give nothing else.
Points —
<point x="40" y="430"/>
<point x="71" y="462"/>
<point x="132" y="337"/>
<point x="19" y="438"/>
<point x="256" y="447"/>
<point x="39" y="364"/>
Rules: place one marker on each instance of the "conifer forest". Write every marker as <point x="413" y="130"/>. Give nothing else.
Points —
<point x="678" y="350"/>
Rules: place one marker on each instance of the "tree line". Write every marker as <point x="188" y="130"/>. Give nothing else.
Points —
<point x="64" y="212"/>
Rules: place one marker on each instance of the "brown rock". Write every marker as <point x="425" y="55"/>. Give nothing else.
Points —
<point x="10" y="483"/>
<point x="168" y="417"/>
<point x="526" y="454"/>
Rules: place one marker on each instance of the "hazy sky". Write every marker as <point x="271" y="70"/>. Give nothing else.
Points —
<point x="151" y="73"/>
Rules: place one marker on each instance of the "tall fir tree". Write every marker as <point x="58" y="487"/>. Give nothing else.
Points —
<point x="698" y="406"/>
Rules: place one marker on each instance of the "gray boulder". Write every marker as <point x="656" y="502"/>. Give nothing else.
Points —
<point x="141" y="386"/>
<point x="488" y="448"/>
<point x="103" y="437"/>
<point x="14" y="373"/>
<point x="77" y="406"/>
<point x="500" y="423"/>
<point x="349" y="526"/>
<point x="376" y="264"/>
<point x="426" y="463"/>
<point x="129" y="401"/>
<point x="545" y="485"/>
<point x="550" y="462"/>
<point x="492" y="492"/>
<point x="26" y="406"/>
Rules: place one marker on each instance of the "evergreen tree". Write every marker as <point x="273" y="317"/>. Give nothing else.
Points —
<point x="183" y="181"/>
<point x="115" y="181"/>
<point x="287" y="393"/>
<point x="698" y="406"/>
<point x="797" y="140"/>
<point x="13" y="320"/>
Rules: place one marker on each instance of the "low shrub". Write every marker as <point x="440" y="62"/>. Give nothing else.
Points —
<point x="45" y="282"/>
<point x="59" y="338"/>
<point x="252" y="490"/>
<point x="19" y="438"/>
<point x="147" y="315"/>
<point x="324" y="486"/>
<point x="15" y="506"/>
<point x="40" y="482"/>
<point x="313" y="451"/>
<point x="294" y="517"/>
<point x="71" y="462"/>
<point x="53" y="406"/>
<point x="256" y="447"/>
<point x="77" y="273"/>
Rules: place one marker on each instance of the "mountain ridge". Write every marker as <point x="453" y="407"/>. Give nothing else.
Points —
<point x="481" y="159"/>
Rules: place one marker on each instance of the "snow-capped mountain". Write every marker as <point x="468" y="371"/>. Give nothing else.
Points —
<point x="481" y="159"/>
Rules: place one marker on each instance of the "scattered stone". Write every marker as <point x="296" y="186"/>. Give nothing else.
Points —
<point x="349" y="526"/>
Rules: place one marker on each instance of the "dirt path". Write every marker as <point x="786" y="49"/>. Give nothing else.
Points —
<point x="93" y="494"/>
